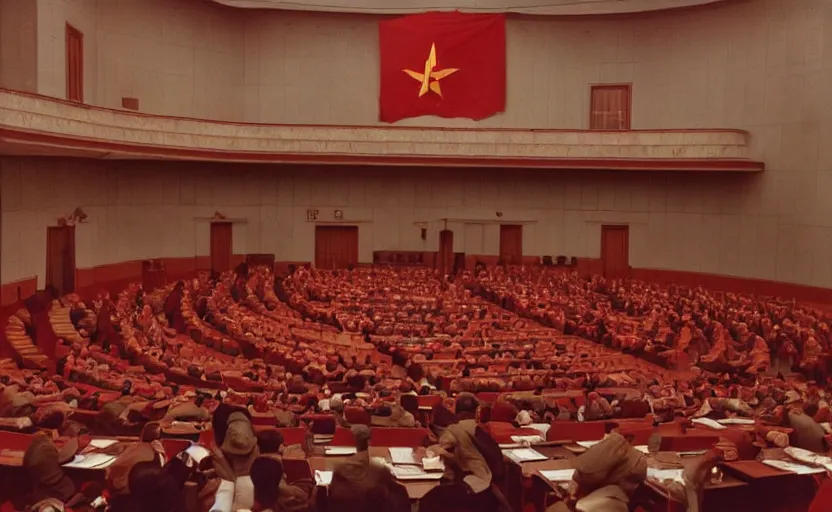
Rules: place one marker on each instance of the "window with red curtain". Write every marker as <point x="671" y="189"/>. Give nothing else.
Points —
<point x="610" y="107"/>
<point x="74" y="64"/>
<point x="511" y="244"/>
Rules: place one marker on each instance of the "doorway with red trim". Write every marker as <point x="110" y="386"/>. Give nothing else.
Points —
<point x="60" y="259"/>
<point x="336" y="246"/>
<point x="615" y="251"/>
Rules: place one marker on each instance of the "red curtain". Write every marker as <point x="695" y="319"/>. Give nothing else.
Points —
<point x="336" y="246"/>
<point x="74" y="64"/>
<point x="610" y="107"/>
<point x="615" y="250"/>
<point x="220" y="246"/>
<point x="511" y="244"/>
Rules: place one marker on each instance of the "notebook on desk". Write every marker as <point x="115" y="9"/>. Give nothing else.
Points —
<point x="524" y="455"/>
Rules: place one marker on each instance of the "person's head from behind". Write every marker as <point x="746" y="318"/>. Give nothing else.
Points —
<point x="266" y="474"/>
<point x="361" y="433"/>
<point x="365" y="487"/>
<point x="270" y="441"/>
<point x="154" y="488"/>
<point x="466" y="405"/>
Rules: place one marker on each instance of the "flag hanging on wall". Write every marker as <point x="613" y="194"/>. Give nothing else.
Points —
<point x="447" y="64"/>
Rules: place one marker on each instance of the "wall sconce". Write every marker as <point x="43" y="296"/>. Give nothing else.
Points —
<point x="499" y="214"/>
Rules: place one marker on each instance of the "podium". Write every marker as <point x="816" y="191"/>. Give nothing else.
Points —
<point x="153" y="275"/>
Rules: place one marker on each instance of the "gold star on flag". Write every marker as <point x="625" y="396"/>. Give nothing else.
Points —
<point x="430" y="78"/>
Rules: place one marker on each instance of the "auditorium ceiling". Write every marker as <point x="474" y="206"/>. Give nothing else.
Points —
<point x="533" y="7"/>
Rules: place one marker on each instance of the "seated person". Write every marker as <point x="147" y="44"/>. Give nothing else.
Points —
<point x="361" y="487"/>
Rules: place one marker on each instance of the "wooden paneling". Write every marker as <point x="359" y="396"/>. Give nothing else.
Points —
<point x="610" y="107"/>
<point x="615" y="250"/>
<point x="511" y="244"/>
<point x="74" y="64"/>
<point x="336" y="246"/>
<point x="221" y="240"/>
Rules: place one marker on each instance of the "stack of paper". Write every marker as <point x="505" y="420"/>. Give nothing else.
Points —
<point x="102" y="443"/>
<point x="588" y="444"/>
<point x="402" y="456"/>
<point x="433" y="464"/>
<point x="558" y="475"/>
<point x="642" y="448"/>
<point x="413" y="473"/>
<point x="662" y="475"/>
<point x="91" y="461"/>
<point x="793" y="467"/>
<point x="735" y="421"/>
<point x="525" y="455"/>
<point x="708" y="422"/>
<point x="527" y="439"/>
<point x="197" y="452"/>
<point x="340" y="450"/>
<point x="323" y="478"/>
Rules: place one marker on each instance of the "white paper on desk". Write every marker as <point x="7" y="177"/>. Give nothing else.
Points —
<point x="321" y="439"/>
<point x="413" y="473"/>
<point x="558" y="475"/>
<point x="588" y="444"/>
<point x="543" y="428"/>
<point x="91" y="461"/>
<point x="527" y="439"/>
<point x="525" y="455"/>
<point x="323" y="478"/>
<point x="642" y="448"/>
<point x="433" y="464"/>
<point x="708" y="422"/>
<point x="662" y="475"/>
<point x="402" y="456"/>
<point x="735" y="421"/>
<point x="340" y="450"/>
<point x="102" y="443"/>
<point x="792" y="467"/>
<point x="197" y="452"/>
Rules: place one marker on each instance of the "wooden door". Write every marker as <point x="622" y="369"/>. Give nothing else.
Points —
<point x="336" y="246"/>
<point x="60" y="258"/>
<point x="221" y="239"/>
<point x="446" y="251"/>
<point x="511" y="244"/>
<point x="615" y="250"/>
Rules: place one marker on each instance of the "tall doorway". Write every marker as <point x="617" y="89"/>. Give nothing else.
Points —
<point x="336" y="246"/>
<point x="615" y="251"/>
<point x="446" y="251"/>
<point x="60" y="258"/>
<point x="511" y="244"/>
<point x="221" y="239"/>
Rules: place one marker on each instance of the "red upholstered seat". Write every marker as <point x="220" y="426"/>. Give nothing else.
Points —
<point x="292" y="435"/>
<point x="356" y="415"/>
<point x="488" y="397"/>
<point x="296" y="469"/>
<point x="573" y="431"/>
<point x="687" y="442"/>
<point x="320" y="423"/>
<point x="173" y="447"/>
<point x="343" y="437"/>
<point x="429" y="400"/>
<point x="393" y="436"/>
<point x="15" y="441"/>
<point x="640" y="434"/>
<point x="502" y="432"/>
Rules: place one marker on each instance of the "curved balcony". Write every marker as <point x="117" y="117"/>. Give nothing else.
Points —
<point x="32" y="124"/>
<point x="540" y="7"/>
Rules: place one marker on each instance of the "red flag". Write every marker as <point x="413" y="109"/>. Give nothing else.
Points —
<point x="447" y="64"/>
